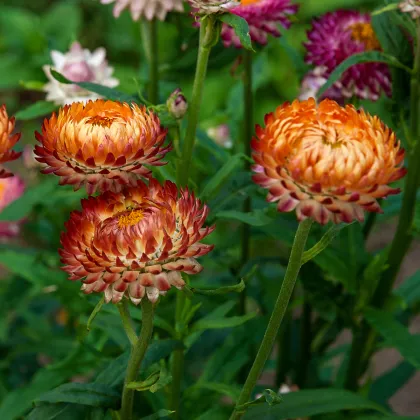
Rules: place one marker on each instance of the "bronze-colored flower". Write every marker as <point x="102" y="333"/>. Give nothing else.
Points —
<point x="104" y="145"/>
<point x="135" y="242"/>
<point x="326" y="161"/>
<point x="7" y="141"/>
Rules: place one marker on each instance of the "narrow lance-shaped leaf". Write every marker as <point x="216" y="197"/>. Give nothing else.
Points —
<point x="36" y="110"/>
<point x="241" y="28"/>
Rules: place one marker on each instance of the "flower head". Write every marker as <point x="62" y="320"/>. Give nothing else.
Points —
<point x="412" y="7"/>
<point x="221" y="135"/>
<point x="135" y="242"/>
<point x="263" y="17"/>
<point x="338" y="35"/>
<point x="78" y="65"/>
<point x="102" y="144"/>
<point x="7" y="141"/>
<point x="208" y="7"/>
<point x="177" y="104"/>
<point x="150" y="9"/>
<point x="10" y="190"/>
<point x="326" y="161"/>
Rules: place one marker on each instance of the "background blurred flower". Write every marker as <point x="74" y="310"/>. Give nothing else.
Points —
<point x="10" y="190"/>
<point x="135" y="242"/>
<point x="150" y="9"/>
<point x="338" y="35"/>
<point x="221" y="135"/>
<point x="78" y="65"/>
<point x="102" y="144"/>
<point x="313" y="81"/>
<point x="412" y="7"/>
<point x="325" y="161"/>
<point x="263" y="17"/>
<point x="7" y="141"/>
<point x="213" y="6"/>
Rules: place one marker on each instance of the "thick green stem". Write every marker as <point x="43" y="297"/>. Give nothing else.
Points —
<point x="247" y="135"/>
<point x="364" y="337"/>
<point x="280" y="308"/>
<point x="151" y="49"/>
<point x="209" y="34"/>
<point x="138" y="350"/>
<point x="283" y="351"/>
<point x="127" y="322"/>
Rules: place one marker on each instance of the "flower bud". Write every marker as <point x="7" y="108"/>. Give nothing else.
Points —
<point x="177" y="104"/>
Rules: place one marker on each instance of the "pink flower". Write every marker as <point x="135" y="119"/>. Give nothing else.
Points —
<point x="150" y="9"/>
<point x="337" y="36"/>
<point x="10" y="190"/>
<point x="263" y="17"/>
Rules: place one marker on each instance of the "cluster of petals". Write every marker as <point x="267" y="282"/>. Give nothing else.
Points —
<point x="327" y="162"/>
<point x="136" y="242"/>
<point x="150" y="9"/>
<point x="412" y="7"/>
<point x="338" y="35"/>
<point x="263" y="17"/>
<point x="7" y="141"/>
<point x="10" y="190"/>
<point x="208" y="7"/>
<point x="103" y="145"/>
<point x="77" y="65"/>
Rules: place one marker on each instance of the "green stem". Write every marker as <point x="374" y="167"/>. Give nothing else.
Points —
<point x="364" y="337"/>
<point x="280" y="308"/>
<point x="248" y="133"/>
<point x="138" y="350"/>
<point x="283" y="351"/>
<point x="127" y="322"/>
<point x="209" y="34"/>
<point x="149" y="32"/>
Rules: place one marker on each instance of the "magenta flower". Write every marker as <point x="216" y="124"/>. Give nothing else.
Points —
<point x="263" y="17"/>
<point x="338" y="35"/>
<point x="10" y="190"/>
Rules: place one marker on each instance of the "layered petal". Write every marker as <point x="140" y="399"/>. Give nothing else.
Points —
<point x="7" y="141"/>
<point x="327" y="162"/>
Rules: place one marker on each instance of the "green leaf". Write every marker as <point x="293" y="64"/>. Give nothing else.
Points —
<point x="96" y="395"/>
<point x="146" y="384"/>
<point x="216" y="182"/>
<point x="211" y="324"/>
<point x="165" y="378"/>
<point x="310" y="403"/>
<point x="33" y="85"/>
<point x="365" y="57"/>
<point x="224" y="389"/>
<point x="395" y="334"/>
<point x="104" y="91"/>
<point x="387" y="418"/>
<point x="332" y="232"/>
<point x="387" y="8"/>
<point x="241" y="28"/>
<point x="253" y="218"/>
<point x="409" y="290"/>
<point x="237" y="288"/>
<point x="36" y="110"/>
<point x="59" y="412"/>
<point x="268" y="397"/>
<point x="159" y="415"/>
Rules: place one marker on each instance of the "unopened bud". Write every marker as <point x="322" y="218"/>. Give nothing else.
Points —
<point x="177" y="104"/>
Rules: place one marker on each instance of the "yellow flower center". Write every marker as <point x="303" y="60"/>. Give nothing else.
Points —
<point x="248" y="2"/>
<point x="130" y="218"/>
<point x="100" y="120"/>
<point x="363" y="32"/>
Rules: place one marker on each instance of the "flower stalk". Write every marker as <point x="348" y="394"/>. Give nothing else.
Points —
<point x="364" y="336"/>
<point x="138" y="351"/>
<point x="277" y="316"/>
<point x="149" y="30"/>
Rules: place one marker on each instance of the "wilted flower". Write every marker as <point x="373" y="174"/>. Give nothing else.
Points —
<point x="78" y="65"/>
<point x="135" y="242"/>
<point x="221" y="135"/>
<point x="150" y="9"/>
<point x="7" y="141"/>
<point x="412" y="7"/>
<point x="208" y="7"/>
<point x="313" y="81"/>
<point x="326" y="161"/>
<point x="263" y="17"/>
<point x="335" y="37"/>
<point x="102" y="144"/>
<point x="10" y="190"/>
<point x="177" y="104"/>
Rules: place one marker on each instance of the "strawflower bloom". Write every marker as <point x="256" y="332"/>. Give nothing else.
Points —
<point x="412" y="7"/>
<point x="7" y="141"/>
<point x="78" y="65"/>
<point x="338" y="35"/>
<point x="10" y="190"/>
<point x="150" y="9"/>
<point x="208" y="7"/>
<point x="325" y="161"/>
<point x="263" y="17"/>
<point x="135" y="242"/>
<point x="103" y="144"/>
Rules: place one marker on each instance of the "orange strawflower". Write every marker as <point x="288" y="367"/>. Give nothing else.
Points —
<point x="135" y="242"/>
<point x="102" y="144"/>
<point x="326" y="161"/>
<point x="7" y="141"/>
